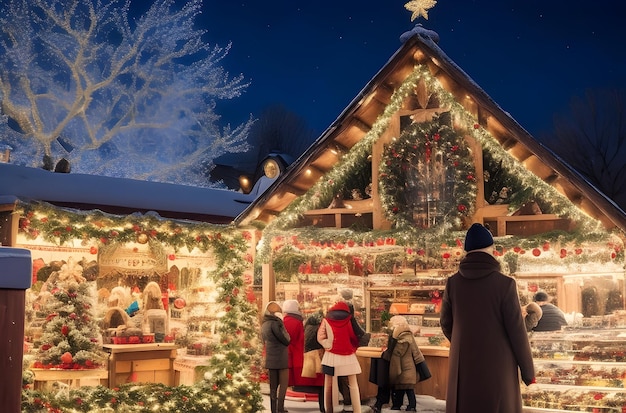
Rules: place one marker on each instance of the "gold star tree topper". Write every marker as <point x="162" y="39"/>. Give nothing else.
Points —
<point x="420" y="8"/>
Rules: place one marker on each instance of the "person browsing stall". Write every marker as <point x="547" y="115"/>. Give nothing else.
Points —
<point x="482" y="317"/>
<point x="276" y="339"/>
<point x="340" y="343"/>
<point x="552" y="318"/>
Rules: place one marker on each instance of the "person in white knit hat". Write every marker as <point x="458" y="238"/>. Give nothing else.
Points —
<point x="379" y="369"/>
<point x="294" y="323"/>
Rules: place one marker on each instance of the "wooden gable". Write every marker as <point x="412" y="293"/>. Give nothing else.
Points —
<point x="358" y="119"/>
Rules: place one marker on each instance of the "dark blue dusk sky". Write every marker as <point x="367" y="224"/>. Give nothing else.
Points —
<point x="313" y="57"/>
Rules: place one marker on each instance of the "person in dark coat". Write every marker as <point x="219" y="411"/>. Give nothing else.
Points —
<point x="482" y="317"/>
<point x="276" y="339"/>
<point x="313" y="384"/>
<point x="552" y="318"/>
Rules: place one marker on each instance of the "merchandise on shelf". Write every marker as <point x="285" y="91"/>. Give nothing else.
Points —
<point x="579" y="370"/>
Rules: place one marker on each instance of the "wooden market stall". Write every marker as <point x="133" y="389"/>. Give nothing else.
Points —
<point x="379" y="204"/>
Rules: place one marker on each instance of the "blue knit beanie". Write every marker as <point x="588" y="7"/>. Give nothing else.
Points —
<point x="477" y="237"/>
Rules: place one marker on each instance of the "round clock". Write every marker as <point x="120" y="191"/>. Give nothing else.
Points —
<point x="271" y="168"/>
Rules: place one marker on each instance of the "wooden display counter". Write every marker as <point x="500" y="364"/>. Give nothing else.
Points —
<point x="436" y="358"/>
<point x="186" y="369"/>
<point x="44" y="378"/>
<point x="143" y="363"/>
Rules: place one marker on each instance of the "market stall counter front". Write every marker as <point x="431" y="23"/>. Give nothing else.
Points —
<point x="146" y="363"/>
<point x="45" y="379"/>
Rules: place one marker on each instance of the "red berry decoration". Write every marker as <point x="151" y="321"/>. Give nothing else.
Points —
<point x="66" y="358"/>
<point x="536" y="252"/>
<point x="65" y="330"/>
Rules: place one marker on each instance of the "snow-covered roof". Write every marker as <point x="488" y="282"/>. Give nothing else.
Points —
<point x="123" y="196"/>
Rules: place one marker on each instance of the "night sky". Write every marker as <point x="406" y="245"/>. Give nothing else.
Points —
<point x="313" y="57"/>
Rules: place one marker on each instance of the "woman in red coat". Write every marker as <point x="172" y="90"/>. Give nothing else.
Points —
<point x="340" y="343"/>
<point x="294" y="324"/>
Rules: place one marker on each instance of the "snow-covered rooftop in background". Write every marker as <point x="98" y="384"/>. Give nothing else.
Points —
<point x="119" y="194"/>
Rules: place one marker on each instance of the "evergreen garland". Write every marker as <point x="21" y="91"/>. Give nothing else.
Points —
<point x="422" y="148"/>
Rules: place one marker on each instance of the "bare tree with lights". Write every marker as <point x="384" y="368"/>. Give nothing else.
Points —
<point x="592" y="139"/>
<point x="114" y="94"/>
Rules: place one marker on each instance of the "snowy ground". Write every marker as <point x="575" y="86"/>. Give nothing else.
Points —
<point x="425" y="404"/>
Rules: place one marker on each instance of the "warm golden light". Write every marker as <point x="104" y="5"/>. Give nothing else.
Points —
<point x="244" y="184"/>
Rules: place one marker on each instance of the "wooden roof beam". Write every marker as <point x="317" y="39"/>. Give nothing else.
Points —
<point x="295" y="190"/>
<point x="539" y="168"/>
<point x="520" y="152"/>
<point x="361" y="124"/>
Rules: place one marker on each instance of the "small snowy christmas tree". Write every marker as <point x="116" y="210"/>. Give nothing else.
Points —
<point x="70" y="333"/>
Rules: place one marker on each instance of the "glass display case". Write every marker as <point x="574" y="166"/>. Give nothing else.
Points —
<point x="417" y="299"/>
<point x="581" y="370"/>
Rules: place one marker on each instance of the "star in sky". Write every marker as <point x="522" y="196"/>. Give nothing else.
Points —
<point x="420" y="8"/>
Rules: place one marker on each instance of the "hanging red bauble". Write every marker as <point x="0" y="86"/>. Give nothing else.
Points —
<point x="536" y="252"/>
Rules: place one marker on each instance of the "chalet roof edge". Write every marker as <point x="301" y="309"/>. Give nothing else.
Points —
<point x="120" y="193"/>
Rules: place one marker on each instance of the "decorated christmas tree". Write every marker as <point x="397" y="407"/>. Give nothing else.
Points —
<point x="70" y="332"/>
<point x="233" y="371"/>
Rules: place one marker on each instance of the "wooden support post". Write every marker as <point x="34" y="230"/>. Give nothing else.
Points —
<point x="15" y="277"/>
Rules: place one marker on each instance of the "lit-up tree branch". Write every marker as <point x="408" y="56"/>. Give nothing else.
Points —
<point x="88" y="81"/>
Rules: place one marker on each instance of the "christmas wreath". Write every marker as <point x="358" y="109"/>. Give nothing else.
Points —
<point x="427" y="177"/>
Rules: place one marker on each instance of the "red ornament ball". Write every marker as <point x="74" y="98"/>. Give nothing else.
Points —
<point x="66" y="358"/>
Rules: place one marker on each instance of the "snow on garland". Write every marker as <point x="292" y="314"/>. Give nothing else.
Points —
<point x="429" y="163"/>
